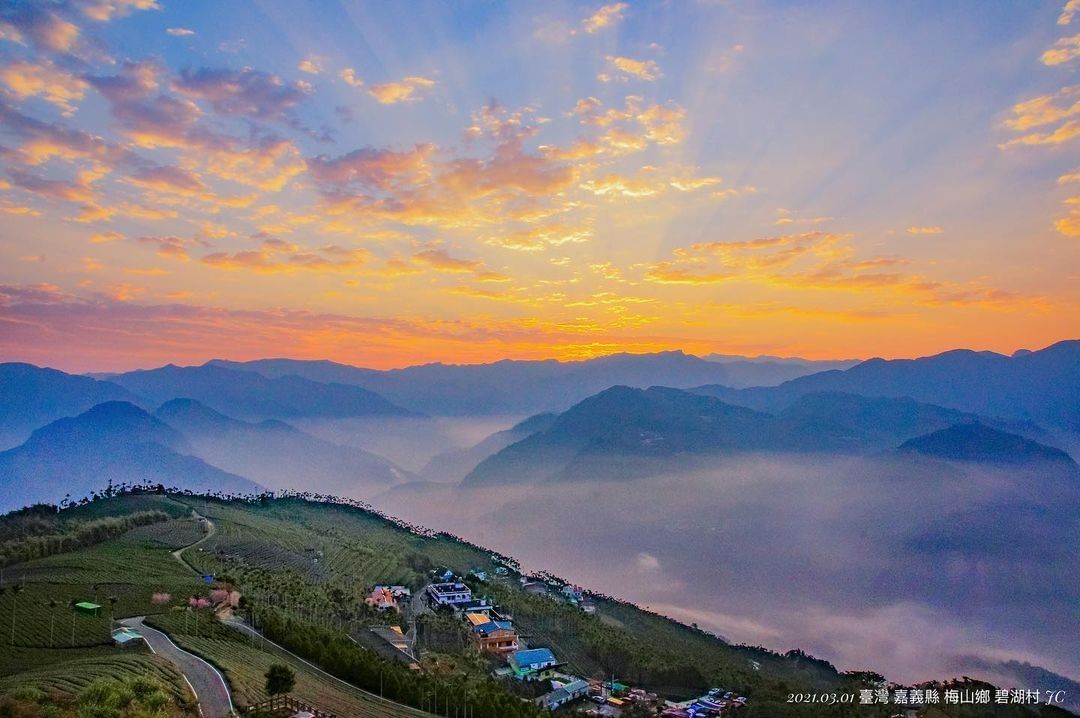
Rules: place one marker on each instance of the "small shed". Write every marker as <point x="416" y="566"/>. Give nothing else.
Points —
<point x="88" y="608"/>
<point x="126" y="638"/>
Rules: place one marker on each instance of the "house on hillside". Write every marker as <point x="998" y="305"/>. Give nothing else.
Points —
<point x="449" y="594"/>
<point x="444" y="575"/>
<point x="477" y="605"/>
<point x="386" y="598"/>
<point x="495" y="637"/>
<point x="563" y="694"/>
<point x="533" y="664"/>
<point x="536" y="588"/>
<point x="382" y="598"/>
<point x="573" y="594"/>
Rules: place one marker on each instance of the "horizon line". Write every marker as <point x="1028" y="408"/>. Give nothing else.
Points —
<point x="732" y="357"/>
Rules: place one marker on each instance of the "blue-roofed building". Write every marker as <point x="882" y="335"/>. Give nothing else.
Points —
<point x="125" y="637"/>
<point x="498" y="637"/>
<point x="563" y="695"/>
<point x="533" y="663"/>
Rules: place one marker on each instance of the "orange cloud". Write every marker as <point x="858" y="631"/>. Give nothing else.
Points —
<point x="172" y="247"/>
<point x="931" y="229"/>
<point x="312" y="65"/>
<point x="26" y="79"/>
<point x="406" y="90"/>
<point x="605" y="16"/>
<point x="1060" y="108"/>
<point x="275" y="256"/>
<point x="1068" y="12"/>
<point x="350" y="78"/>
<point x="1064" y="50"/>
<point x="441" y="261"/>
<point x="646" y="70"/>
<point x="541" y="237"/>
<point x="1045" y="109"/>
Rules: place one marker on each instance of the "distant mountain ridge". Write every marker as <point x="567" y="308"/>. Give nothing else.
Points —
<point x="618" y="431"/>
<point x="31" y="397"/>
<point x="504" y="387"/>
<point x="770" y="370"/>
<point x="274" y="453"/>
<point x="1040" y="386"/>
<point x="114" y="441"/>
<point x="250" y="395"/>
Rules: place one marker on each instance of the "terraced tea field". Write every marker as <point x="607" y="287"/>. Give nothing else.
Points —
<point x="68" y="677"/>
<point x="55" y="648"/>
<point x="244" y="661"/>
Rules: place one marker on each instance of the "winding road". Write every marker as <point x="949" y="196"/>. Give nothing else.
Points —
<point x="206" y="682"/>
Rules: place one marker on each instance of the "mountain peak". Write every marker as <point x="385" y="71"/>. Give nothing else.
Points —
<point x="975" y="441"/>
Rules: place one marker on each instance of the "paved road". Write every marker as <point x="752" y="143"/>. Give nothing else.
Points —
<point x="417" y="607"/>
<point x="205" y="680"/>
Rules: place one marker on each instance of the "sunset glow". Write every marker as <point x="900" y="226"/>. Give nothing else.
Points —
<point x="387" y="184"/>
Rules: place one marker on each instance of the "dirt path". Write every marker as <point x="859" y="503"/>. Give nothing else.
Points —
<point x="210" y="531"/>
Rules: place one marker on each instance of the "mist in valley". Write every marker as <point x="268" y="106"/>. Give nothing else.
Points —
<point x="409" y="442"/>
<point x="915" y="568"/>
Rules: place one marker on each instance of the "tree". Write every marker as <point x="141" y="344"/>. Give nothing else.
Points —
<point x="53" y="603"/>
<point x="280" y="679"/>
<point x="15" y="590"/>
<point x="71" y="604"/>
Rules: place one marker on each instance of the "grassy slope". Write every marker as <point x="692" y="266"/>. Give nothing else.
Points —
<point x="132" y="568"/>
<point x="314" y="561"/>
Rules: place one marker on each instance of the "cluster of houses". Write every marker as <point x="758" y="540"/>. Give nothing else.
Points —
<point x="551" y="588"/>
<point x="716" y="702"/>
<point x="491" y="631"/>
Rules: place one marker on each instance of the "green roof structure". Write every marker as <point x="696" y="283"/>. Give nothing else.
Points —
<point x="87" y="607"/>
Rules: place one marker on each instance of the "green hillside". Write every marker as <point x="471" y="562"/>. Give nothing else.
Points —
<point x="303" y="568"/>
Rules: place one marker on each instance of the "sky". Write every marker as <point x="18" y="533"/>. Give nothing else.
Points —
<point x="387" y="184"/>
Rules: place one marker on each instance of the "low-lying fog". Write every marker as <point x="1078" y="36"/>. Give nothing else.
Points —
<point x="409" y="443"/>
<point x="907" y="568"/>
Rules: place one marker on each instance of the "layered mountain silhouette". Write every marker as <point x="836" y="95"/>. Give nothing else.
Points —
<point x="257" y="419"/>
<point x="115" y="441"/>
<point x="274" y="453"/>
<point x="1041" y="386"/>
<point x="770" y="370"/>
<point x="31" y="397"/>
<point x="250" y="395"/>
<point x="615" y="433"/>
<point x="453" y="466"/>
<point x="505" y="387"/>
